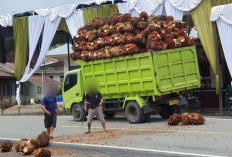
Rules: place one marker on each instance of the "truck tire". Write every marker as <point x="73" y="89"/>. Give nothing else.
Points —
<point x="166" y="112"/>
<point x="109" y="114"/>
<point x="78" y="113"/>
<point x="134" y="113"/>
<point x="147" y="117"/>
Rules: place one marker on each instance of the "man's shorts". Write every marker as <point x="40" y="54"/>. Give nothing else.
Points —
<point x="50" y="120"/>
<point x="96" y="112"/>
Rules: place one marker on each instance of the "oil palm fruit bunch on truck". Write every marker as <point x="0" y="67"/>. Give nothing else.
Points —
<point x="122" y="34"/>
<point x="142" y="65"/>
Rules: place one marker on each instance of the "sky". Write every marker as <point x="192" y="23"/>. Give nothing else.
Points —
<point x="19" y="6"/>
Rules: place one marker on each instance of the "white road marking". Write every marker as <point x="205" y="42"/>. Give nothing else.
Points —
<point x="129" y="148"/>
<point x="219" y="118"/>
<point x="12" y="139"/>
<point x="140" y="149"/>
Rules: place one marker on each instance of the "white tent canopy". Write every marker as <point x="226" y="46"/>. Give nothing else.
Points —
<point x="16" y="6"/>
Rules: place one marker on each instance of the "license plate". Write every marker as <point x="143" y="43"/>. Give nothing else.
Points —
<point x="173" y="102"/>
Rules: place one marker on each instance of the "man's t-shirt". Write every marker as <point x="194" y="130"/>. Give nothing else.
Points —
<point x="93" y="99"/>
<point x="49" y="103"/>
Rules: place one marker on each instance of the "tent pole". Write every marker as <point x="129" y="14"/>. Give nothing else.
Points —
<point x="68" y="52"/>
<point x="42" y="92"/>
<point x="218" y="69"/>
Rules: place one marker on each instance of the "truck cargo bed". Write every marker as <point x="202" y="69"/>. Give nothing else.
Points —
<point x="146" y="74"/>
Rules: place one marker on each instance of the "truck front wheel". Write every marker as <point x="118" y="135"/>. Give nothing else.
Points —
<point x="134" y="113"/>
<point x="78" y="113"/>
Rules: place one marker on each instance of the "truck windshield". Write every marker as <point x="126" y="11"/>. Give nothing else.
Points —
<point x="70" y="81"/>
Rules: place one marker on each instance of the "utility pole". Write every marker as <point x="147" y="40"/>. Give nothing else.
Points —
<point x="68" y="52"/>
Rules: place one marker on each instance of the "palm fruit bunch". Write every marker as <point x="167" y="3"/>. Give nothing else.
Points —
<point x="35" y="143"/>
<point x="27" y="147"/>
<point x="18" y="146"/>
<point x="187" y="119"/>
<point x="197" y="119"/>
<point x="6" y="146"/>
<point x="43" y="152"/>
<point x="175" y="119"/>
<point x="43" y="139"/>
<point x="122" y="34"/>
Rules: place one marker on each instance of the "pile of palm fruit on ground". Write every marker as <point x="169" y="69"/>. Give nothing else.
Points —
<point x="28" y="147"/>
<point x="186" y="119"/>
<point x="122" y="34"/>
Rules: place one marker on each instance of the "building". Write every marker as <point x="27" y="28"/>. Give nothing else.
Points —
<point x="30" y="89"/>
<point x="61" y="53"/>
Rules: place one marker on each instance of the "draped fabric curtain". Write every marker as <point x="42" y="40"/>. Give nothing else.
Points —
<point x="89" y="14"/>
<point x="107" y="10"/>
<point x="123" y="8"/>
<point x="53" y="13"/>
<point x="49" y="31"/>
<point x="2" y="51"/>
<point x="172" y="11"/>
<point x="98" y="2"/>
<point x="75" y="21"/>
<point x="20" y="29"/>
<point x="223" y="16"/>
<point x="201" y="19"/>
<point x="225" y="33"/>
<point x="185" y="5"/>
<point x="220" y="2"/>
<point x="6" y="20"/>
<point x="35" y="27"/>
<point x="150" y="6"/>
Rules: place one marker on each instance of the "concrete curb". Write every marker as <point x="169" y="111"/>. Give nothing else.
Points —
<point x="118" y="151"/>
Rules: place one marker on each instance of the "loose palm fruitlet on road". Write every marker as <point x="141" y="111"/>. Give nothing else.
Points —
<point x="187" y="119"/>
<point x="6" y="146"/>
<point x="174" y="119"/>
<point x="122" y="34"/>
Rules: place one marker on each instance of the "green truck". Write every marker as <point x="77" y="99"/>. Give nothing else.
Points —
<point x="140" y="84"/>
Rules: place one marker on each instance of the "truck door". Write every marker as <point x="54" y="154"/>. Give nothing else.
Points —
<point x="71" y="91"/>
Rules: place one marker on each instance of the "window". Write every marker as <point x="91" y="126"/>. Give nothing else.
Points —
<point x="70" y="81"/>
<point x="5" y="88"/>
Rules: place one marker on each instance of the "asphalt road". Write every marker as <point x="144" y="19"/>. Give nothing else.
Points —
<point x="154" y="138"/>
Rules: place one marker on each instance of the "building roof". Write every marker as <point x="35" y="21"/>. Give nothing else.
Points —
<point x="59" y="51"/>
<point x="5" y="74"/>
<point x="35" y="79"/>
<point x="9" y="67"/>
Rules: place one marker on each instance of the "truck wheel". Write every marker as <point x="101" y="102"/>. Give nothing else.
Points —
<point x="109" y="114"/>
<point x="78" y="113"/>
<point x="147" y="117"/>
<point x="134" y="113"/>
<point x="166" y="112"/>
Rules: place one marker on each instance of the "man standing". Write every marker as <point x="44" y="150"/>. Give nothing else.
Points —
<point x="50" y="108"/>
<point x="93" y="102"/>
